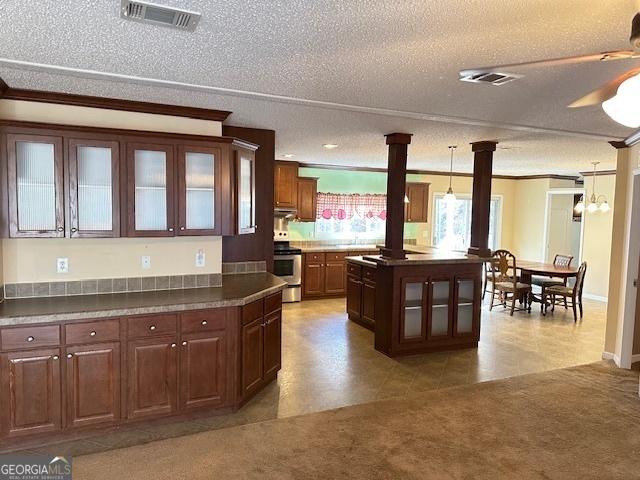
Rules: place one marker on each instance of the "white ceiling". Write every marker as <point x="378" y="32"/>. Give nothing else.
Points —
<point x="346" y="72"/>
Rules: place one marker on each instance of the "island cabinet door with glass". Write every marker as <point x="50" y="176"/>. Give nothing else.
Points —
<point x="199" y="198"/>
<point x="35" y="185"/>
<point x="467" y="306"/>
<point x="94" y="179"/>
<point x="150" y="190"/>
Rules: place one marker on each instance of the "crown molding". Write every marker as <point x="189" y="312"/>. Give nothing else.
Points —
<point x="8" y="93"/>
<point x="632" y="139"/>
<point x="599" y="173"/>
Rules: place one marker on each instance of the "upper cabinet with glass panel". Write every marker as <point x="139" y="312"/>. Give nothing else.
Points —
<point x="245" y="190"/>
<point x="94" y="203"/>
<point x="35" y="184"/>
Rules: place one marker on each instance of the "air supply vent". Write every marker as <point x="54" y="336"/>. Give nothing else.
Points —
<point x="493" y="78"/>
<point x="146" y="12"/>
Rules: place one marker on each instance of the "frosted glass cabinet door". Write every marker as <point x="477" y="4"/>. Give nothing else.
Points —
<point x="245" y="165"/>
<point x="150" y="190"/>
<point x="36" y="207"/>
<point x="464" y="307"/>
<point x="198" y="195"/>
<point x="411" y="326"/>
<point x="93" y="188"/>
<point x="440" y="313"/>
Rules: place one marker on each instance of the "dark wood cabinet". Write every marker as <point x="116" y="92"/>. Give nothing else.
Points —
<point x="313" y="275"/>
<point x="252" y="355"/>
<point x="307" y="199"/>
<point x="35" y="179"/>
<point x="361" y="294"/>
<point x="203" y="369"/>
<point x="261" y="344"/>
<point x="272" y="343"/>
<point x="81" y="376"/>
<point x="354" y="297"/>
<point x="334" y="273"/>
<point x="31" y="392"/>
<point x="152" y="377"/>
<point x="199" y="190"/>
<point x="368" y="301"/>
<point x="93" y="384"/>
<point x="286" y="185"/>
<point x="93" y="168"/>
<point x="417" y="209"/>
<point x="150" y="190"/>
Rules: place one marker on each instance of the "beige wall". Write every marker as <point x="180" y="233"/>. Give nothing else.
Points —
<point x="104" y="118"/>
<point x="32" y="260"/>
<point x="596" y="245"/>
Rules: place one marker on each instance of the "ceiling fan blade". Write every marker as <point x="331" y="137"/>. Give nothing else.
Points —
<point x="605" y="92"/>
<point x="601" y="57"/>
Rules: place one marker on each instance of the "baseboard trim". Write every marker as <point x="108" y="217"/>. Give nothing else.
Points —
<point x="635" y="358"/>
<point x="597" y="298"/>
<point x="612" y="356"/>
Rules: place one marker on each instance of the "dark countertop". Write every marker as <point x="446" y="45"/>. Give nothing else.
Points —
<point x="435" y="257"/>
<point x="361" y="261"/>
<point x="334" y="248"/>
<point x="236" y="290"/>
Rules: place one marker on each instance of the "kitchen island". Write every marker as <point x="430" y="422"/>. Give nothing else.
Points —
<point x="426" y="302"/>
<point x="71" y="366"/>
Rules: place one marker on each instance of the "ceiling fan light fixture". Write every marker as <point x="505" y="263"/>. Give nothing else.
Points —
<point x="624" y="106"/>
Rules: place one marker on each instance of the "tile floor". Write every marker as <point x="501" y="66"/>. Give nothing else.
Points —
<point x="329" y="362"/>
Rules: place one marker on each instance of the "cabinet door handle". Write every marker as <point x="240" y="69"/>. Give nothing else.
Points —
<point x="184" y="344"/>
<point x="61" y="229"/>
<point x="152" y="328"/>
<point x="171" y="229"/>
<point x="182" y="229"/>
<point x="93" y="334"/>
<point x="74" y="230"/>
<point x="69" y="355"/>
<point x="173" y="345"/>
<point x="30" y="339"/>
<point x="203" y="322"/>
<point x="56" y="357"/>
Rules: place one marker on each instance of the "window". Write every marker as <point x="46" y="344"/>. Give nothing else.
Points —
<point x="452" y="223"/>
<point x="345" y="216"/>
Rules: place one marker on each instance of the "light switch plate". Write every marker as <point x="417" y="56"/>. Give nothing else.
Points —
<point x="62" y="265"/>
<point x="200" y="258"/>
<point x="146" y="262"/>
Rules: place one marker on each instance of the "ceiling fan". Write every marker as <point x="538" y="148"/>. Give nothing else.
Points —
<point x="620" y="97"/>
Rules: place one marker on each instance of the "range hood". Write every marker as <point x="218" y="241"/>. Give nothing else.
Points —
<point x="285" y="212"/>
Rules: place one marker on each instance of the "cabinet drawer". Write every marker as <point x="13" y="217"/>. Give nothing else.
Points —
<point x="335" y="256"/>
<point x="369" y="273"/>
<point x="353" y="269"/>
<point x="272" y="303"/>
<point x="90" y="332"/>
<point x="314" y="257"/>
<point x="204" y="320"/>
<point x="30" y="337"/>
<point x="139" y="327"/>
<point x="252" y="311"/>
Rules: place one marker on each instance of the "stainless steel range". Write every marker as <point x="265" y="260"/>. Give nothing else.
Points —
<point x="287" y="260"/>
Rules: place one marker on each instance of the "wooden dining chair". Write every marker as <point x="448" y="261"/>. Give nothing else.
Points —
<point x="505" y="282"/>
<point x="560" y="293"/>
<point x="559" y="260"/>
<point x="490" y="267"/>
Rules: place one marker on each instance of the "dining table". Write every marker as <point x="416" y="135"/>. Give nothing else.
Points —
<point x="530" y="268"/>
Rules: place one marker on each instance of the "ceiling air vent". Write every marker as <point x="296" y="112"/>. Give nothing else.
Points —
<point x="146" y="12"/>
<point x="493" y="78"/>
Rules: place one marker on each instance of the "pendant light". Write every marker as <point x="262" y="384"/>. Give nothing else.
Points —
<point x="450" y="197"/>
<point x="596" y="202"/>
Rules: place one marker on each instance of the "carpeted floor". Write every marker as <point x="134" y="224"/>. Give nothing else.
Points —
<point x="576" y="423"/>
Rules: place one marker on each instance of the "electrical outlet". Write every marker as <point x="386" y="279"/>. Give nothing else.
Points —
<point x="62" y="265"/>
<point x="200" y="260"/>
<point x="146" y="262"/>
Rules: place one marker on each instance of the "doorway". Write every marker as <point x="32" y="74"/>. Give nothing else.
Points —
<point x="564" y="227"/>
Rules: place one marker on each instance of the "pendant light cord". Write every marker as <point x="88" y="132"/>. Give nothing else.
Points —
<point x="451" y="147"/>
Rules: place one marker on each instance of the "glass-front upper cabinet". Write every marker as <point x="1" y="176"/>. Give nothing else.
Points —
<point x="199" y="200"/>
<point x="150" y="190"/>
<point x="35" y="180"/>
<point x="245" y="190"/>
<point x="94" y="206"/>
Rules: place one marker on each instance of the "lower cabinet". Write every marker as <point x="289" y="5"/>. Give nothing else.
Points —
<point x="324" y="274"/>
<point x="93" y="384"/>
<point x="158" y="365"/>
<point x="31" y="392"/>
<point x="361" y="294"/>
<point x="261" y="346"/>
<point x="152" y="377"/>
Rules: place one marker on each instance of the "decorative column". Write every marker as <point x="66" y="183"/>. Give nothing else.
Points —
<point x="481" y="199"/>
<point x="396" y="185"/>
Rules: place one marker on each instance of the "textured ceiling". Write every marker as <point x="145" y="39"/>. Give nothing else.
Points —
<point x="347" y="72"/>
